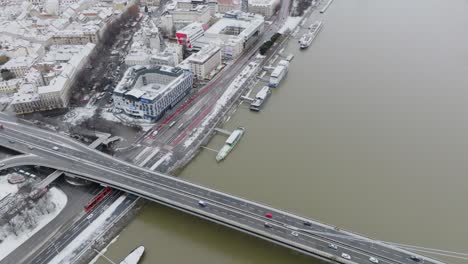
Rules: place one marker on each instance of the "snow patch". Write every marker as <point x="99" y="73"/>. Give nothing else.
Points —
<point x="145" y="125"/>
<point x="12" y="242"/>
<point x="6" y="188"/>
<point x="290" y="24"/>
<point x="104" y="250"/>
<point x="78" y="115"/>
<point x="88" y="235"/>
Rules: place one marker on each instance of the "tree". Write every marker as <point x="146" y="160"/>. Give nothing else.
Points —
<point x="133" y="11"/>
<point x="146" y="9"/>
<point x="7" y="74"/>
<point x="4" y="59"/>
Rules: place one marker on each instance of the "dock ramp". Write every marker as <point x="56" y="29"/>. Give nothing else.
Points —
<point x="222" y="131"/>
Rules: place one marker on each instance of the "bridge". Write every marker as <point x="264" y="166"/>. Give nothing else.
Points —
<point x="48" y="149"/>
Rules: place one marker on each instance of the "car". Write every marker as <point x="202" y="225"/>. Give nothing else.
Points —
<point x="373" y="260"/>
<point x="294" y="233"/>
<point x="201" y="203"/>
<point x="89" y="216"/>
<point x="415" y="258"/>
<point x="333" y="246"/>
<point x="267" y="225"/>
<point x="11" y="141"/>
<point x="55" y="148"/>
<point x="345" y="256"/>
<point x="30" y="147"/>
<point x="307" y="223"/>
<point x="154" y="133"/>
<point x="268" y="215"/>
<point x="2" y="164"/>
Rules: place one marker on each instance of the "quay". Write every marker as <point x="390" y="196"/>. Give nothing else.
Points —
<point x="326" y="6"/>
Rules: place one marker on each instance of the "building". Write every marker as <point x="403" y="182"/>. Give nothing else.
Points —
<point x="228" y="5"/>
<point x="205" y="61"/>
<point x="187" y="35"/>
<point x="76" y="37"/>
<point x="147" y="92"/>
<point x="265" y="8"/>
<point x="237" y="30"/>
<point x="149" y="2"/>
<point x="10" y="87"/>
<point x="19" y="65"/>
<point x="183" y="17"/>
<point x="56" y="93"/>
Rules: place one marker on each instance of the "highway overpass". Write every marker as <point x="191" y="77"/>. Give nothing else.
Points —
<point x="304" y="235"/>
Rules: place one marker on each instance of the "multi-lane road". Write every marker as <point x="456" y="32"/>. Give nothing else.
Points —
<point x="286" y="229"/>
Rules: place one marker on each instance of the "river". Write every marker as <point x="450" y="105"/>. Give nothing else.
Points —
<point x="368" y="132"/>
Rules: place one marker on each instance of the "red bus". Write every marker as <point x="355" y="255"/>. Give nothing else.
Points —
<point x="97" y="199"/>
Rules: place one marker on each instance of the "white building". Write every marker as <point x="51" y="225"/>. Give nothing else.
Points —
<point x="237" y="30"/>
<point x="149" y="2"/>
<point x="56" y="94"/>
<point x="88" y="34"/>
<point x="183" y="17"/>
<point x="228" y="5"/>
<point x="205" y="61"/>
<point x="19" y="65"/>
<point x="187" y="35"/>
<point x="149" y="91"/>
<point x="265" y="8"/>
<point x="10" y="86"/>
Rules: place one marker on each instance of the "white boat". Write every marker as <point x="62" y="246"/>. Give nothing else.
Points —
<point x="305" y="40"/>
<point x="230" y="143"/>
<point x="134" y="256"/>
<point x="260" y="98"/>
<point x="308" y="37"/>
<point x="279" y="73"/>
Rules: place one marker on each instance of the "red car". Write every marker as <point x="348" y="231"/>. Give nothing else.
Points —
<point x="268" y="215"/>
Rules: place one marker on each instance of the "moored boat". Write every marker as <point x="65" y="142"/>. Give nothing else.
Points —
<point x="230" y="143"/>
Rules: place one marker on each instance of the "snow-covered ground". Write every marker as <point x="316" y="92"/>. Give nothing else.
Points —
<point x="78" y="115"/>
<point x="104" y="250"/>
<point x="5" y="99"/>
<point x="6" y="188"/>
<point x="146" y="125"/>
<point x="238" y="82"/>
<point x="88" y="235"/>
<point x="11" y="242"/>
<point x="195" y="134"/>
<point x="290" y="24"/>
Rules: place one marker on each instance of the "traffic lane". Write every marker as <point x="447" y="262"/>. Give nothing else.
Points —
<point x="82" y="223"/>
<point x="130" y="170"/>
<point x="36" y="132"/>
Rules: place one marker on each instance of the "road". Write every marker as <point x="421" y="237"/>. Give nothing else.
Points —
<point x="234" y="212"/>
<point x="182" y="121"/>
<point x="186" y="115"/>
<point x="59" y="242"/>
<point x="77" y="198"/>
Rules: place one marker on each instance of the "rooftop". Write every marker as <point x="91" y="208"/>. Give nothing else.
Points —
<point x="132" y="83"/>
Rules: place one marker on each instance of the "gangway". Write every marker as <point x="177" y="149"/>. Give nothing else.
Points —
<point x="248" y="99"/>
<point x="222" y="131"/>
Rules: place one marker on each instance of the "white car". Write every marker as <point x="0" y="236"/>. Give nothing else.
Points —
<point x="294" y="233"/>
<point x="89" y="216"/>
<point x="55" y="148"/>
<point x="201" y="203"/>
<point x="333" y="246"/>
<point x="373" y="260"/>
<point x="345" y="256"/>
